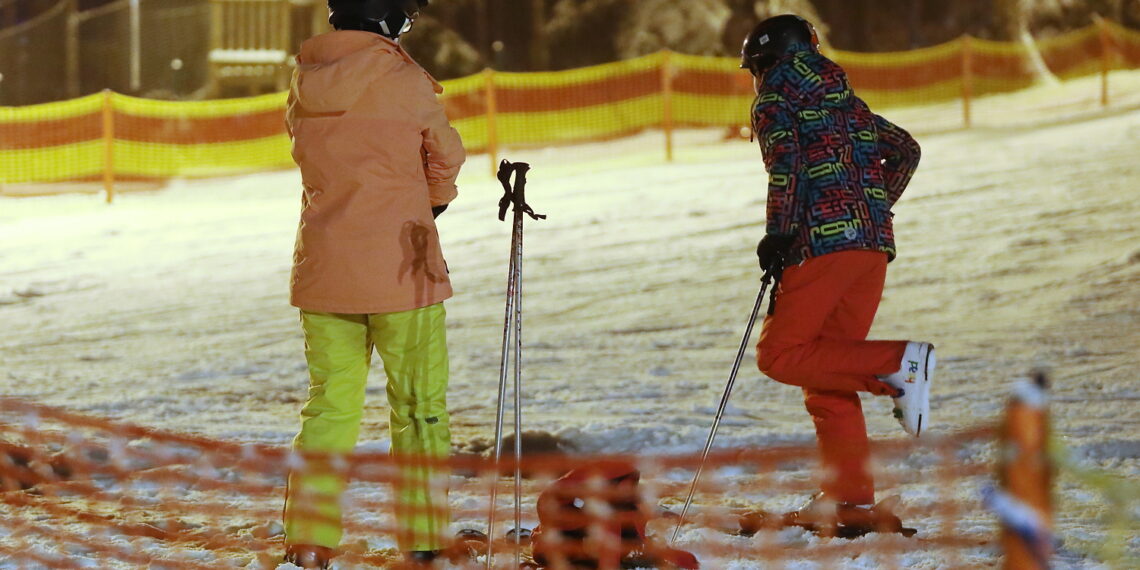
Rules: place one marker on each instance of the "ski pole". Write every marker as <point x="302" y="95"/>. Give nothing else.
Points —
<point x="512" y="326"/>
<point x="723" y="401"/>
<point x="502" y="394"/>
<point x="504" y="177"/>
<point x="517" y="364"/>
<point x="519" y="200"/>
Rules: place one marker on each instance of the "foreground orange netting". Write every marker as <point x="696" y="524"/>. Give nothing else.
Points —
<point x="84" y="491"/>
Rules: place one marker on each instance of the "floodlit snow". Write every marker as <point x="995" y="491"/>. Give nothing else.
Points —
<point x="1019" y="249"/>
<point x="249" y="56"/>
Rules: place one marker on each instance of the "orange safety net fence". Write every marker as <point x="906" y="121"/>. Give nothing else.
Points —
<point x="141" y="139"/>
<point x="81" y="491"/>
<point x="110" y="138"/>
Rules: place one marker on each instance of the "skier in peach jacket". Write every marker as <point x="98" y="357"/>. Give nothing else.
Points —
<point x="378" y="162"/>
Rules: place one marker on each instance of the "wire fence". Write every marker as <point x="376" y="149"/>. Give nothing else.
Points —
<point x="152" y="49"/>
<point x="34" y="59"/>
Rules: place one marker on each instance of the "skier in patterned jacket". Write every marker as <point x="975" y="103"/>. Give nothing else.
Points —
<point x="835" y="169"/>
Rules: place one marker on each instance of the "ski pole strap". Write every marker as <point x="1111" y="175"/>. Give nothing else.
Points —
<point x="774" y="274"/>
<point x="515" y="194"/>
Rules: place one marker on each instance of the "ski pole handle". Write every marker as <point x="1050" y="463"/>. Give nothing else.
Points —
<point x="517" y="194"/>
<point x="504" y="176"/>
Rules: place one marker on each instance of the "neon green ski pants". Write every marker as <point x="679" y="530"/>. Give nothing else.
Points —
<point x="338" y="347"/>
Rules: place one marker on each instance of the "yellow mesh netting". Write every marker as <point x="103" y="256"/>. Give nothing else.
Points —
<point x="115" y="137"/>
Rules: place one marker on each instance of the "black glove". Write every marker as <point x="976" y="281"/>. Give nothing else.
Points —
<point x="773" y="250"/>
<point x="437" y="210"/>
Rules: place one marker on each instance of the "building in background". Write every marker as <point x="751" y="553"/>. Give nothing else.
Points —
<point x="52" y="50"/>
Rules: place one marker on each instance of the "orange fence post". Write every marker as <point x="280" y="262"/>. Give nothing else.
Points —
<point x="492" y="134"/>
<point x="1025" y="473"/>
<point x="667" y="102"/>
<point x="1105" y="57"/>
<point x="967" y="79"/>
<point x="108" y="144"/>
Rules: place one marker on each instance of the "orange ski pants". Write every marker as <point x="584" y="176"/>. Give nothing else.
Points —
<point x="817" y="339"/>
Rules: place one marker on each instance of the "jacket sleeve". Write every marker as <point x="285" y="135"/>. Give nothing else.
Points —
<point x="900" y="154"/>
<point x="775" y="123"/>
<point x="443" y="152"/>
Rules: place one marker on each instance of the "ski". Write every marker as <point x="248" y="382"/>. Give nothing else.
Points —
<point x="754" y="521"/>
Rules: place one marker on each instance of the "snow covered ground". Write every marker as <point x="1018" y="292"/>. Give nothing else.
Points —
<point x="1019" y="249"/>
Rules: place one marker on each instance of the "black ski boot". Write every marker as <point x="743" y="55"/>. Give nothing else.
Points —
<point x="309" y="556"/>
<point x="421" y="558"/>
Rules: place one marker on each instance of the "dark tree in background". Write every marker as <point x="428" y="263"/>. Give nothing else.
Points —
<point x="582" y="32"/>
<point x="893" y="25"/>
<point x="692" y="27"/>
<point x="534" y="35"/>
<point x="445" y="39"/>
<point x="460" y="37"/>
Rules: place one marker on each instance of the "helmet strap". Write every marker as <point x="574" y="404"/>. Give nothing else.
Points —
<point x="386" y="30"/>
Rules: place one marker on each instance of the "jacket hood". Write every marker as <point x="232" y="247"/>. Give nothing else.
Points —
<point x="334" y="69"/>
<point x="797" y="47"/>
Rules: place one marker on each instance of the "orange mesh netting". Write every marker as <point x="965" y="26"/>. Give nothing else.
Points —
<point x="79" y="488"/>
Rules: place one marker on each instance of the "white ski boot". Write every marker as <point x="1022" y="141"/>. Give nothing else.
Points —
<point x="912" y="407"/>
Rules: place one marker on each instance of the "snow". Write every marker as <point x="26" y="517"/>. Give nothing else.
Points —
<point x="1018" y="251"/>
<point x="249" y="56"/>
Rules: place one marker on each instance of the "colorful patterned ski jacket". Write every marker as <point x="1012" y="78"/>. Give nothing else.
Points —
<point x="835" y="169"/>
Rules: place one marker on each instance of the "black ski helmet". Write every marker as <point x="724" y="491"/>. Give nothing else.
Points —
<point x="389" y="18"/>
<point x="770" y="39"/>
